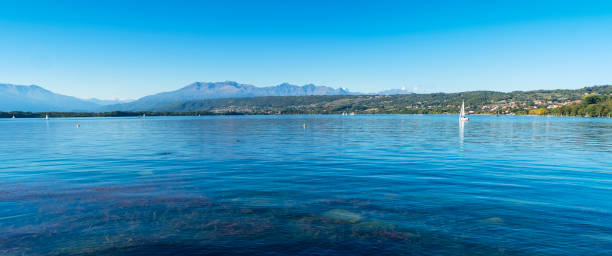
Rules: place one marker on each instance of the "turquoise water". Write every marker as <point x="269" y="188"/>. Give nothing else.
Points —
<point x="343" y="185"/>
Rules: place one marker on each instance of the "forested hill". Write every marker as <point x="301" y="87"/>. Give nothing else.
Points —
<point x="518" y="102"/>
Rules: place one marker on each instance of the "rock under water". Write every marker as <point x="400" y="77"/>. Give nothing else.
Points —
<point x="342" y="215"/>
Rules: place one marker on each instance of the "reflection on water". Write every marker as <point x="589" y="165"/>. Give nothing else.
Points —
<point x="358" y="185"/>
<point x="461" y="127"/>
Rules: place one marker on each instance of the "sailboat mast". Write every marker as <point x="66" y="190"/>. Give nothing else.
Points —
<point x="462" y="116"/>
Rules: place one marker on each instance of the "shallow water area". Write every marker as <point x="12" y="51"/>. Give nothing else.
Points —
<point x="341" y="185"/>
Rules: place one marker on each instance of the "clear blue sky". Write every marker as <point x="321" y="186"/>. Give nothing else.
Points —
<point x="128" y="49"/>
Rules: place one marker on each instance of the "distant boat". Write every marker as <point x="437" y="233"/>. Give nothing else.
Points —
<point x="462" y="116"/>
<point x="46" y="117"/>
<point x="352" y="114"/>
<point x="13" y="117"/>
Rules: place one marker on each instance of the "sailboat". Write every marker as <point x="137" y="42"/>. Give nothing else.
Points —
<point x="13" y="117"/>
<point x="46" y="117"/>
<point x="462" y="116"/>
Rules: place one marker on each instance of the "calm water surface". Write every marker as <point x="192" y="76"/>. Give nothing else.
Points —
<point x="352" y="185"/>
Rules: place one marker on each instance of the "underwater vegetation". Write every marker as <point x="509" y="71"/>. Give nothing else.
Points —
<point x="111" y="220"/>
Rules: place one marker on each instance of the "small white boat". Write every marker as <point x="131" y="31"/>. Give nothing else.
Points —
<point x="13" y="117"/>
<point x="462" y="116"/>
<point x="46" y="117"/>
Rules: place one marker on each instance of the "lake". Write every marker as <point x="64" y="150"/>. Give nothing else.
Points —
<point x="340" y="185"/>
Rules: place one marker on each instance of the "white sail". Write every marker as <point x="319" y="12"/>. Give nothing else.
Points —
<point x="462" y="116"/>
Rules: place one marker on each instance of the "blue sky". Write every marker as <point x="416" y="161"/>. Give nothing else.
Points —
<point x="128" y="49"/>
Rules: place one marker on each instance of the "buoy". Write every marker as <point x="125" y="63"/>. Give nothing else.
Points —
<point x="78" y="126"/>
<point x="304" y="125"/>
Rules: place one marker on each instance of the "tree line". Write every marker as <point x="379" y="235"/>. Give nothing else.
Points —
<point x="592" y="105"/>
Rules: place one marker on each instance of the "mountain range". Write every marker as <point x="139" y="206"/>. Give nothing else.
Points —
<point x="217" y="90"/>
<point x="235" y="98"/>
<point x="34" y="98"/>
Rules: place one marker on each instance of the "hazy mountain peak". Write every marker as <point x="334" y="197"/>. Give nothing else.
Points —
<point x="33" y="86"/>
<point x="37" y="99"/>
<point x="104" y="102"/>
<point x="395" y="91"/>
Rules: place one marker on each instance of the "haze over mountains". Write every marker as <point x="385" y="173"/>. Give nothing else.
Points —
<point x="107" y="102"/>
<point x="34" y="98"/>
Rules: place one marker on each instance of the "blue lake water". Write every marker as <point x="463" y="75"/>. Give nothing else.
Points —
<point x="342" y="185"/>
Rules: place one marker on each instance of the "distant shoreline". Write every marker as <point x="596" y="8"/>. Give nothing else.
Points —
<point x="20" y="114"/>
<point x="593" y="101"/>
